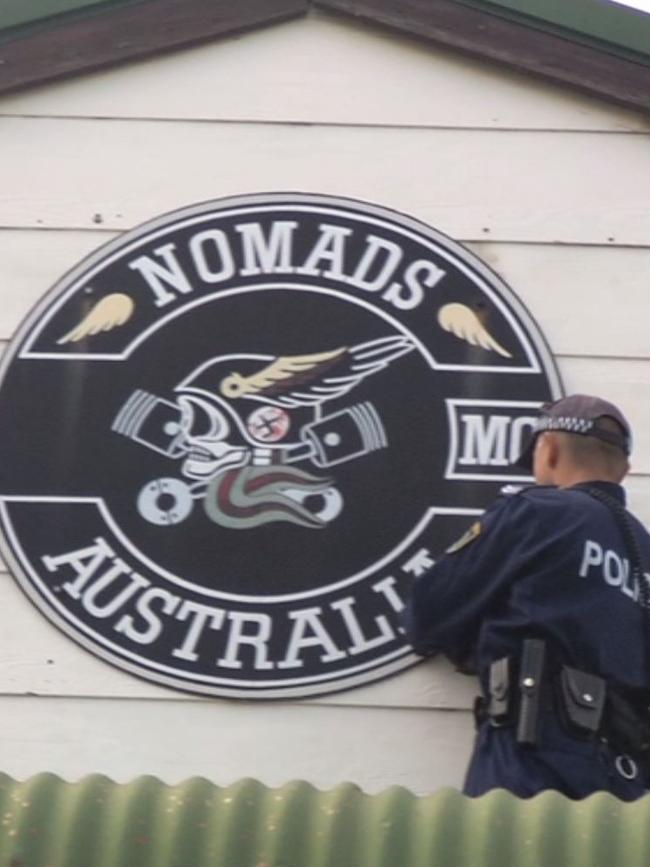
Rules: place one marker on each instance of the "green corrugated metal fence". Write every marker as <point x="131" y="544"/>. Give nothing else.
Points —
<point x="46" y="822"/>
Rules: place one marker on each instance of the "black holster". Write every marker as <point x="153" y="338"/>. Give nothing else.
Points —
<point x="500" y="706"/>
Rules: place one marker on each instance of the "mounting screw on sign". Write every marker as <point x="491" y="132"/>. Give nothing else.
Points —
<point x="165" y="501"/>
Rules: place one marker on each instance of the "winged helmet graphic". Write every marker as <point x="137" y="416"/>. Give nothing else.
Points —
<point x="290" y="381"/>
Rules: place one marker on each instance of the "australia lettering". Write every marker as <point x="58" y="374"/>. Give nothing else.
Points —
<point x="95" y="579"/>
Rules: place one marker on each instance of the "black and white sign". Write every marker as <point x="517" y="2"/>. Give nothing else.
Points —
<point x="231" y="438"/>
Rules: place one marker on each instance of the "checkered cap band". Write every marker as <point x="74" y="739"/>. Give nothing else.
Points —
<point x="568" y="423"/>
<point x="579" y="414"/>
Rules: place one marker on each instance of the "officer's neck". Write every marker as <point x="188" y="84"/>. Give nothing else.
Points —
<point x="567" y="478"/>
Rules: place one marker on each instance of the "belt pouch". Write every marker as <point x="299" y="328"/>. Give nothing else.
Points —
<point x="627" y="722"/>
<point x="582" y="701"/>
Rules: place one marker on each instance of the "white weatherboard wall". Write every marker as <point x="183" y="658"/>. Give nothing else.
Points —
<point x="550" y="188"/>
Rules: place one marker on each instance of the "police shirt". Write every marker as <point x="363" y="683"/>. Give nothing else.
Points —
<point x="545" y="562"/>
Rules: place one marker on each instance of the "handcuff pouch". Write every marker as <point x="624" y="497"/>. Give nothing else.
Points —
<point x="582" y="701"/>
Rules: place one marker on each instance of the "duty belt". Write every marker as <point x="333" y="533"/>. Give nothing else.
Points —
<point x="587" y="707"/>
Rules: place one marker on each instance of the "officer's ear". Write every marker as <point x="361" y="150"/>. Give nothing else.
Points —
<point x="553" y="446"/>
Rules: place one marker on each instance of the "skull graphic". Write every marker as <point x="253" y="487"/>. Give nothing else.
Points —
<point x="203" y="431"/>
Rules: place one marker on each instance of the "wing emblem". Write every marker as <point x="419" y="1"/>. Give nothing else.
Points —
<point x="110" y="312"/>
<point x="464" y="323"/>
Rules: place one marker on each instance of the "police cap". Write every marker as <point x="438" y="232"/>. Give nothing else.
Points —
<point x="579" y="414"/>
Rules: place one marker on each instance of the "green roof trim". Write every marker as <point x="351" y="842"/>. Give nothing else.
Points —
<point x="145" y="823"/>
<point x="18" y="12"/>
<point x="611" y="25"/>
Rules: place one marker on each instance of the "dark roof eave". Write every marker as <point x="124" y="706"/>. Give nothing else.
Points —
<point x="113" y="35"/>
<point x="481" y="34"/>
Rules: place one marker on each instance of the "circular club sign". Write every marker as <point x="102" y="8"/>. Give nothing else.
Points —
<point x="231" y="438"/>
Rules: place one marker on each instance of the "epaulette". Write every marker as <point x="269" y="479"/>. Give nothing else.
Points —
<point x="511" y="490"/>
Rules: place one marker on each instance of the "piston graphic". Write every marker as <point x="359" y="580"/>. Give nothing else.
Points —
<point x="152" y="422"/>
<point x="343" y="436"/>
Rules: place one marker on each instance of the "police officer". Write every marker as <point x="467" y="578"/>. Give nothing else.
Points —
<point x="546" y="599"/>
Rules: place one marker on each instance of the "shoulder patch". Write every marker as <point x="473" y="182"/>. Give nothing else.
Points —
<point x="468" y="536"/>
<point x="511" y="490"/>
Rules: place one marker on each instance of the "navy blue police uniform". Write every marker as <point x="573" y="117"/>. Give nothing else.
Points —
<point x="551" y="563"/>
